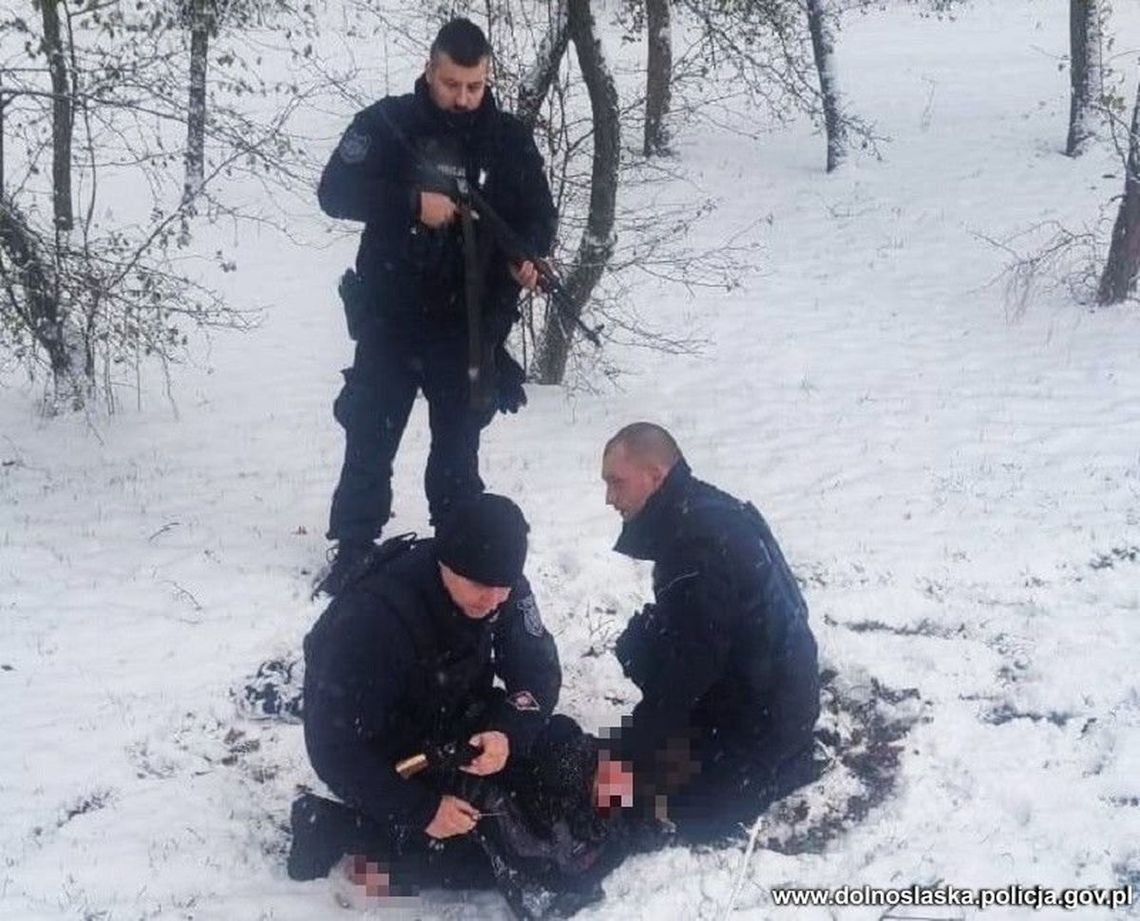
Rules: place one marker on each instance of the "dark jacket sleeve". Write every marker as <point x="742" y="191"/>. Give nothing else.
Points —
<point x="530" y="213"/>
<point x="538" y="219"/>
<point x="363" y="180"/>
<point x="675" y="650"/>
<point x="355" y="673"/>
<point x="526" y="659"/>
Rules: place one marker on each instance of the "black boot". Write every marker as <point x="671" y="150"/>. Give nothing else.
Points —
<point x="323" y="832"/>
<point x="349" y="564"/>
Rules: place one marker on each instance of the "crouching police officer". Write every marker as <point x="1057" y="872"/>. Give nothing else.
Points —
<point x="403" y="723"/>
<point x="433" y="296"/>
<point x="724" y="656"/>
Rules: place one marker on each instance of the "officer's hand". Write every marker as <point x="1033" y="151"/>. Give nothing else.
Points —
<point x="525" y="274"/>
<point x="436" y="210"/>
<point x="509" y="379"/>
<point x="454" y="816"/>
<point x="614" y="780"/>
<point x="493" y="758"/>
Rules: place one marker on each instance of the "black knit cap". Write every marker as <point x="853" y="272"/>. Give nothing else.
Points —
<point x="484" y="539"/>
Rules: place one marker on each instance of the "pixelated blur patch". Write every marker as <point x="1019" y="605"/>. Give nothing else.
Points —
<point x="354" y="146"/>
<point x="532" y="620"/>
<point x="523" y="701"/>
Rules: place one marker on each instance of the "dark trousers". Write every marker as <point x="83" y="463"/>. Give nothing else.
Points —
<point x="731" y="792"/>
<point x="373" y="407"/>
<point x="325" y="830"/>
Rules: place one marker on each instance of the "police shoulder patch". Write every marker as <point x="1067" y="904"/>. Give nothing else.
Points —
<point x="532" y="620"/>
<point x="354" y="146"/>
<point x="523" y="701"/>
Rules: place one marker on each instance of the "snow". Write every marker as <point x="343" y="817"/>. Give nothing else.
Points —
<point x="958" y="486"/>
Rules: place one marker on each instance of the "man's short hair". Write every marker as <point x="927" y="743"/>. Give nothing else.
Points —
<point x="646" y="442"/>
<point x="462" y="41"/>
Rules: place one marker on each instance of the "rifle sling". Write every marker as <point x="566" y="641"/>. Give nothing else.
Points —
<point x="476" y="370"/>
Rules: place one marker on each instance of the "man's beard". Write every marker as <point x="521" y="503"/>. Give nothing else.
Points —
<point x="460" y="120"/>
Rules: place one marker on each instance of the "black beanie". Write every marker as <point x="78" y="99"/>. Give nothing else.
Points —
<point x="484" y="540"/>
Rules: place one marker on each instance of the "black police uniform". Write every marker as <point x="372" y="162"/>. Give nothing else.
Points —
<point x="413" y="332"/>
<point x="394" y="668"/>
<point x="724" y="658"/>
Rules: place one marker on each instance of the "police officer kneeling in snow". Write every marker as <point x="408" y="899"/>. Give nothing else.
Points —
<point x="434" y="292"/>
<point x="724" y="656"/>
<point x="404" y="725"/>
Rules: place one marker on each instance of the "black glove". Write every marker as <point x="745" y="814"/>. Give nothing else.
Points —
<point x="509" y="378"/>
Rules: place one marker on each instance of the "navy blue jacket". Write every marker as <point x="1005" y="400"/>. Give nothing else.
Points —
<point x="393" y="666"/>
<point x="414" y="274"/>
<point x="724" y="657"/>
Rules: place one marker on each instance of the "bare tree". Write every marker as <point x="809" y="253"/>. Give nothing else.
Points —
<point x="535" y="82"/>
<point x="1120" y="272"/>
<point x="823" y="48"/>
<point x="104" y="288"/>
<point x="3" y="105"/>
<point x="597" y="243"/>
<point x="1085" y="71"/>
<point x="777" y="60"/>
<point x="658" y="75"/>
<point x="28" y="287"/>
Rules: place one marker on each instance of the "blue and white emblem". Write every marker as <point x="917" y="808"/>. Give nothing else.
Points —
<point x="524" y="702"/>
<point x="354" y="146"/>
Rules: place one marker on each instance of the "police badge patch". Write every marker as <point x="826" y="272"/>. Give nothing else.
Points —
<point x="354" y="146"/>
<point x="532" y="620"/>
<point x="523" y="701"/>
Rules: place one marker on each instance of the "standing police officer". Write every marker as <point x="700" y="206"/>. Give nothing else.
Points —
<point x="724" y="657"/>
<point x="426" y="264"/>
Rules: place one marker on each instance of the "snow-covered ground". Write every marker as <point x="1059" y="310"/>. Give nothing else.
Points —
<point x="957" y="484"/>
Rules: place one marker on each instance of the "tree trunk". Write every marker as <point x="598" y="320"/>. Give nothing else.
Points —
<point x="3" y="103"/>
<point x="1084" y="72"/>
<point x="61" y="121"/>
<point x="535" y="84"/>
<point x="1119" y="279"/>
<point x="823" y="48"/>
<point x="658" y="76"/>
<point x="30" y="287"/>
<point x="597" y="242"/>
<point x="201" y="24"/>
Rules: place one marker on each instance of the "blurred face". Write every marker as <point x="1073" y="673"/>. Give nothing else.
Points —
<point x="629" y="482"/>
<point x="474" y="599"/>
<point x="455" y="88"/>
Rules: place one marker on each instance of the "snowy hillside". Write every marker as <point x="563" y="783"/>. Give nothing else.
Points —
<point x="957" y="484"/>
